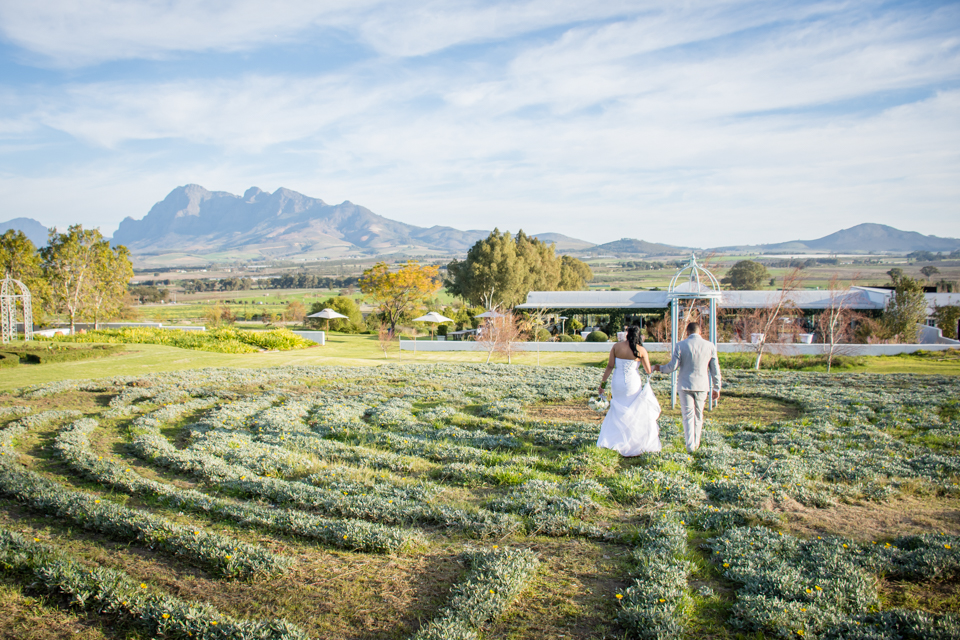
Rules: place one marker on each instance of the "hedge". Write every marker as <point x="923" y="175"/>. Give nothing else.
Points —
<point x="51" y="353"/>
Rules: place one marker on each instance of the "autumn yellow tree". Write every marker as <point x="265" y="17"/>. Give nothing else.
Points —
<point x="401" y="291"/>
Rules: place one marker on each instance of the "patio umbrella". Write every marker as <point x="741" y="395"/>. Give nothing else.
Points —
<point x="434" y="318"/>
<point x="327" y="314"/>
<point x="488" y="314"/>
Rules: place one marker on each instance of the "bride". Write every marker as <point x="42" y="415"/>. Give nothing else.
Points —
<point x="630" y="426"/>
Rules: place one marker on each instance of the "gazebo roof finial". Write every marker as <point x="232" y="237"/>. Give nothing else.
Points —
<point x="699" y="282"/>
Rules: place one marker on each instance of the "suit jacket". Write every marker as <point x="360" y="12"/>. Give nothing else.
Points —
<point x="695" y="358"/>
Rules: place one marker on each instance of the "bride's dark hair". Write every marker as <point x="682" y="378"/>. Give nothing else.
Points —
<point x="634" y="339"/>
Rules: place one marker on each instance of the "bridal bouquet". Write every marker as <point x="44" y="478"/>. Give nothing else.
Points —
<point x="599" y="404"/>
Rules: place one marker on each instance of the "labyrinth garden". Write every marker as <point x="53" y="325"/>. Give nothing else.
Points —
<point x="443" y="502"/>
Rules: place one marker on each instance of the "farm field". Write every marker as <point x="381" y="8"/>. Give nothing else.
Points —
<point x="610" y="272"/>
<point x="469" y="501"/>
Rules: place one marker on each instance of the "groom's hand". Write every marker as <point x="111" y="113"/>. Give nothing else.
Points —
<point x="716" y="395"/>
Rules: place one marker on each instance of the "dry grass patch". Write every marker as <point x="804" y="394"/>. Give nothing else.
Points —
<point x="573" y="593"/>
<point x="28" y="618"/>
<point x="933" y="597"/>
<point x="872" y="521"/>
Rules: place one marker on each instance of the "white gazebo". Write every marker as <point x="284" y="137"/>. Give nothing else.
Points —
<point x="691" y="282"/>
<point x="11" y="292"/>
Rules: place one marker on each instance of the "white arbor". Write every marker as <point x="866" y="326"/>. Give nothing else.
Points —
<point x="692" y="282"/>
<point x="13" y="292"/>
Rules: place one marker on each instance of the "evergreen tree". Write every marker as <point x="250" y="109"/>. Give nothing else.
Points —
<point x="501" y="270"/>
<point x="906" y="309"/>
<point x="746" y="275"/>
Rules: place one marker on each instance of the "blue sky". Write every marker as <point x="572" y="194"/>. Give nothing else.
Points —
<point x="695" y="123"/>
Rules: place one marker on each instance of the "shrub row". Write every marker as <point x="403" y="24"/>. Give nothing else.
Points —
<point x="224" y="555"/>
<point x="73" y="446"/>
<point x="495" y="579"/>
<point x="793" y="586"/>
<point x="8" y="360"/>
<point x="53" y="353"/>
<point x="108" y="591"/>
<point x="657" y="604"/>
<point x="151" y="445"/>
<point x="226" y="340"/>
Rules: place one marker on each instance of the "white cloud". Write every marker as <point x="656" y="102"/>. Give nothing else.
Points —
<point x="644" y="126"/>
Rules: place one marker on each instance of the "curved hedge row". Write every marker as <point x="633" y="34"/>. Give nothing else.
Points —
<point x="100" y="590"/>
<point x="73" y="446"/>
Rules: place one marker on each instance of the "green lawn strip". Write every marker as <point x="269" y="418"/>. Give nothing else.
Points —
<point x="107" y="591"/>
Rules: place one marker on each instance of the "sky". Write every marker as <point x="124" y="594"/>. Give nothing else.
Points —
<point x="698" y="123"/>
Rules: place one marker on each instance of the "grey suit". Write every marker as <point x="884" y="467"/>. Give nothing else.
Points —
<point x="696" y="360"/>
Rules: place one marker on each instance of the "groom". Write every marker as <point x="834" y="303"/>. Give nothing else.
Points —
<point x="695" y="358"/>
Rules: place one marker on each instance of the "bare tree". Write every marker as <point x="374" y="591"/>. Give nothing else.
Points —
<point x="508" y="335"/>
<point x="532" y="323"/>
<point x="385" y="336"/>
<point x="835" y="321"/>
<point x="768" y="318"/>
<point x="498" y="334"/>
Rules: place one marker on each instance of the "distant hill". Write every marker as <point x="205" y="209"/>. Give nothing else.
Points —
<point x="562" y="242"/>
<point x="30" y="228"/>
<point x="863" y="238"/>
<point x="284" y="223"/>
<point x="634" y="247"/>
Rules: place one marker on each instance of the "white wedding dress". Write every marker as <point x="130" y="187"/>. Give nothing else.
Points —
<point x="630" y="426"/>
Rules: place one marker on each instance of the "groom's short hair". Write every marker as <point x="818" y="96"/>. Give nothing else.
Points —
<point x="692" y="328"/>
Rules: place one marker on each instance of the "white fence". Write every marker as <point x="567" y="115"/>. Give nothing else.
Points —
<point x="725" y="347"/>
<point x="320" y="337"/>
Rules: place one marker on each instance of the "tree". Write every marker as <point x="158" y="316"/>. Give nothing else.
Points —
<point x="767" y="319"/>
<point x="928" y="271"/>
<point x="532" y="322"/>
<point x="20" y="260"/>
<point x="895" y="274"/>
<point x="906" y="309"/>
<point x="218" y="315"/>
<point x="399" y="292"/>
<point x="490" y="272"/>
<point x="574" y="274"/>
<point x="502" y="270"/>
<point x="112" y="271"/>
<point x="947" y="319"/>
<point x="295" y="311"/>
<point x="499" y="334"/>
<point x="70" y="263"/>
<point x="344" y="305"/>
<point x="384" y="337"/>
<point x="746" y="275"/>
<point x="834" y="321"/>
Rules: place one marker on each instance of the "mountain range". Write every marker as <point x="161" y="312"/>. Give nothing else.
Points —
<point x="863" y="238"/>
<point x="194" y="225"/>
<point x="30" y="228"/>
<point x="284" y="223"/>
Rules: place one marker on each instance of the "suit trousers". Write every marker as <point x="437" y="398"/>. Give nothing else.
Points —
<point x="691" y="409"/>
